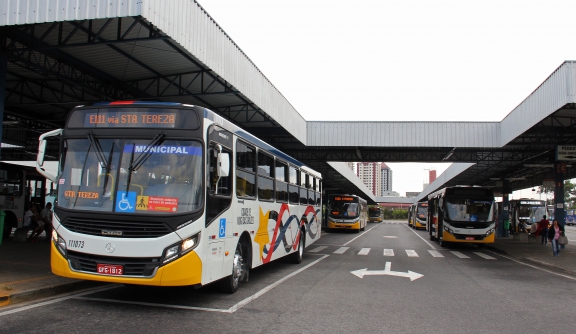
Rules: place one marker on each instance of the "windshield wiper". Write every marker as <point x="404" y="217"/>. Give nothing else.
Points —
<point x="98" y="150"/>
<point x="146" y="152"/>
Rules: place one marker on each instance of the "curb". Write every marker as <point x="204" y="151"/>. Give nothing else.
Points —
<point x="49" y="291"/>
<point x="533" y="261"/>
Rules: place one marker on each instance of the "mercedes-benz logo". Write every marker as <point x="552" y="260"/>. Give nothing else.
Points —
<point x="110" y="248"/>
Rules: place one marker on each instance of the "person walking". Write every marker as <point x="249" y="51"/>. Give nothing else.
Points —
<point x="46" y="216"/>
<point x="553" y="234"/>
<point x="543" y="224"/>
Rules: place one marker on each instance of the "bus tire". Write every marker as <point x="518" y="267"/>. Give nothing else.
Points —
<point x="229" y="284"/>
<point x="442" y="242"/>
<point x="297" y="256"/>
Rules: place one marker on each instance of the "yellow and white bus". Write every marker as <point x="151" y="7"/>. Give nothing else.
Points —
<point x="375" y="214"/>
<point x="347" y="212"/>
<point x="418" y="215"/>
<point x="167" y="194"/>
<point x="462" y="214"/>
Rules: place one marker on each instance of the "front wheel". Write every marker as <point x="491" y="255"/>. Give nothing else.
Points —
<point x="297" y="256"/>
<point x="229" y="284"/>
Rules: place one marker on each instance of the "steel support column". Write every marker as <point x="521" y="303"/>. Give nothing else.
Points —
<point x="3" y="73"/>
<point x="559" y="192"/>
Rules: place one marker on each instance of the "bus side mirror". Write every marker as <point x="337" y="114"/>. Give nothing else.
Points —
<point x="41" y="153"/>
<point x="223" y="164"/>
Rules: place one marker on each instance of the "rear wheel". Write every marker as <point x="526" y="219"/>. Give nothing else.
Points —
<point x="230" y="283"/>
<point x="297" y="256"/>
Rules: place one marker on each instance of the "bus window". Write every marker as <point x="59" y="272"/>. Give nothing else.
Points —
<point x="293" y="176"/>
<point x="281" y="185"/>
<point x="294" y="196"/>
<point x="265" y="181"/>
<point x="245" y="176"/>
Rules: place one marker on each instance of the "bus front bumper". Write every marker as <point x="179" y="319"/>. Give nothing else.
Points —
<point x="186" y="270"/>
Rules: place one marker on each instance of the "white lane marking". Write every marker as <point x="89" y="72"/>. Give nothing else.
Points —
<point x="411" y="253"/>
<point x="534" y="267"/>
<point x="388" y="252"/>
<point x="460" y="255"/>
<point x="364" y="251"/>
<point x="418" y="235"/>
<point x="341" y="250"/>
<point x="72" y="295"/>
<point x="390" y="236"/>
<point x="435" y="253"/>
<point x="485" y="256"/>
<point x="317" y="249"/>
<point x="364" y="272"/>
<point x="232" y="309"/>
<point x="361" y="234"/>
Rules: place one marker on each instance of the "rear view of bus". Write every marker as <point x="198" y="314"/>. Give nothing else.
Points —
<point x="347" y="212"/>
<point x="462" y="214"/>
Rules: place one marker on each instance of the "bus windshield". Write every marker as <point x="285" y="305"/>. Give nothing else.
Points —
<point x="340" y="209"/>
<point x="531" y="213"/>
<point x="422" y="211"/>
<point x="131" y="176"/>
<point x="463" y="209"/>
<point x="374" y="212"/>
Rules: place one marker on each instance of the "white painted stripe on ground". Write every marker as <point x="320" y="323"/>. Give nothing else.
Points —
<point x="341" y="250"/>
<point x="72" y="295"/>
<point x="361" y="234"/>
<point x="435" y="253"/>
<point x="460" y="255"/>
<point x="388" y="252"/>
<point x="411" y="253"/>
<point x="364" y="251"/>
<point x="534" y="267"/>
<point x="317" y="249"/>
<point x="418" y="235"/>
<point x="486" y="256"/>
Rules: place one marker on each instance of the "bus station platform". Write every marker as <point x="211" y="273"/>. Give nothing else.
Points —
<point x="25" y="266"/>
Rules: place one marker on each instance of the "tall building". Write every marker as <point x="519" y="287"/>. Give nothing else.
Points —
<point x="377" y="176"/>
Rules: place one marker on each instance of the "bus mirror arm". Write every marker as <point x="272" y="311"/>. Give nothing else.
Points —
<point x="42" y="152"/>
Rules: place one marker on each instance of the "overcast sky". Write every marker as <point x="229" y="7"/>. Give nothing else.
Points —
<point x="408" y="60"/>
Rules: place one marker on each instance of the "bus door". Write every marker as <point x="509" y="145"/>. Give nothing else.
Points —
<point x="218" y="198"/>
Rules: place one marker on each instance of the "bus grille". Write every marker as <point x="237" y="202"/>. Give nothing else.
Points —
<point x="119" y="229"/>
<point x="140" y="266"/>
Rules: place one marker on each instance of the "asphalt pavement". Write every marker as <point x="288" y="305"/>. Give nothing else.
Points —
<point x="25" y="266"/>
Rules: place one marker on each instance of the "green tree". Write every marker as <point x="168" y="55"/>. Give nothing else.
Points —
<point x="569" y="194"/>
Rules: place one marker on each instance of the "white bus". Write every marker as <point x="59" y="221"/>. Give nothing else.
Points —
<point x="167" y="194"/>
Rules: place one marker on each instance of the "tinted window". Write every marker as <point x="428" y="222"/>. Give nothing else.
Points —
<point x="293" y="176"/>
<point x="281" y="191"/>
<point x="265" y="164"/>
<point x="294" y="195"/>
<point x="265" y="188"/>
<point x="280" y="171"/>
<point x="245" y="184"/>
<point x="245" y="157"/>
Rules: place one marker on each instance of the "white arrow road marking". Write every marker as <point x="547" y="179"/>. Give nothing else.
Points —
<point x="388" y="252"/>
<point x="390" y="236"/>
<point x="435" y="253"/>
<point x="411" y="253"/>
<point x="460" y="255"/>
<point x="341" y="250"/>
<point x="486" y="256"/>
<point x="364" y="251"/>
<point x="317" y="249"/>
<point x="365" y="272"/>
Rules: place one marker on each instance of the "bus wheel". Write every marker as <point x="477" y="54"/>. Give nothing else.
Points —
<point x="230" y="283"/>
<point x="297" y="256"/>
<point x="442" y="242"/>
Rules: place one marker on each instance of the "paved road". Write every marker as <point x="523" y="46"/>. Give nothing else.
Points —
<point x="463" y="289"/>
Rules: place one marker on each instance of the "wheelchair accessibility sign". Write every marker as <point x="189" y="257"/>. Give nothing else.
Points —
<point x="125" y="201"/>
<point x="222" y="230"/>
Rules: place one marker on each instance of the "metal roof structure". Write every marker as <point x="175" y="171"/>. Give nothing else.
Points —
<point x="59" y="54"/>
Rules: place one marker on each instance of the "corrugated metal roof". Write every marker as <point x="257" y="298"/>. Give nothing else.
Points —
<point x="16" y="12"/>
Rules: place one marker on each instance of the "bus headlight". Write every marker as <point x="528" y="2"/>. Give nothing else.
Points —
<point x="59" y="242"/>
<point x="172" y="252"/>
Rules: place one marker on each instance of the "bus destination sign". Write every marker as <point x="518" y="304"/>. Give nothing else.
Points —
<point x="129" y="119"/>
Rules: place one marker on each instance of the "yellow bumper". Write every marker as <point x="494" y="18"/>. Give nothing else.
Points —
<point x="187" y="270"/>
<point x="450" y="238"/>
<point x="355" y="226"/>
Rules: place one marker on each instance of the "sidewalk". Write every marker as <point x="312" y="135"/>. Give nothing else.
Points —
<point x="530" y="250"/>
<point x="25" y="272"/>
<point x="25" y="267"/>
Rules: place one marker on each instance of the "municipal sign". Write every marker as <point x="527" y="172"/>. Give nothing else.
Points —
<point x="566" y="153"/>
